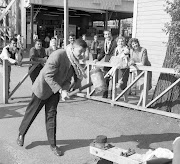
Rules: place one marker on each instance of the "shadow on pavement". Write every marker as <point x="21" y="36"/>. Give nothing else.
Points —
<point x="10" y="112"/>
<point x="143" y="141"/>
<point x="65" y="144"/>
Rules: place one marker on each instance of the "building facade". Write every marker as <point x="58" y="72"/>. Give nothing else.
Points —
<point x="48" y="15"/>
<point x="114" y="5"/>
<point x="149" y="20"/>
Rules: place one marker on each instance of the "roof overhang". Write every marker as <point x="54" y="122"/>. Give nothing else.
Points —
<point x="93" y="5"/>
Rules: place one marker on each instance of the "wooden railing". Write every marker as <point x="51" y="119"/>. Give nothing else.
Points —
<point x="115" y="98"/>
<point x="7" y="95"/>
<point x="145" y="103"/>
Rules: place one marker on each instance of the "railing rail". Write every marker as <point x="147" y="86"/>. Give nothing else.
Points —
<point x="7" y="95"/>
<point x="144" y="95"/>
<point x="115" y="99"/>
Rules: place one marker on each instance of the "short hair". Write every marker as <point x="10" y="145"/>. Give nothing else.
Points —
<point x="107" y="31"/>
<point x="13" y="39"/>
<point x="72" y="34"/>
<point x="120" y="37"/>
<point x="38" y="40"/>
<point x="133" y="40"/>
<point x="53" y="38"/>
<point x="81" y="43"/>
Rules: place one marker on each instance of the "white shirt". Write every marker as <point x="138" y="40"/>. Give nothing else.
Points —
<point x="107" y="46"/>
<point x="6" y="56"/>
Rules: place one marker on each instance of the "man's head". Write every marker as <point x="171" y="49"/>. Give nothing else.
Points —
<point x="53" y="41"/>
<point x="84" y="37"/>
<point x="38" y="44"/>
<point x="71" y="38"/>
<point x="79" y="48"/>
<point x="107" y="35"/>
<point x="95" y="37"/>
<point x="13" y="43"/>
<point x="18" y="37"/>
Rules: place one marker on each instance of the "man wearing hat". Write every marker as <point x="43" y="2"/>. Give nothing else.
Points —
<point x="52" y="82"/>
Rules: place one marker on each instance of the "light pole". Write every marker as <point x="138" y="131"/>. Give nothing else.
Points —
<point x="66" y="22"/>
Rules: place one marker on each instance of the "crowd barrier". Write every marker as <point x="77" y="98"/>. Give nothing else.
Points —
<point x="115" y="97"/>
<point x="7" y="95"/>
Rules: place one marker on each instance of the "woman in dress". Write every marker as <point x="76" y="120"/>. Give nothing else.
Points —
<point x="138" y="55"/>
<point x="121" y="58"/>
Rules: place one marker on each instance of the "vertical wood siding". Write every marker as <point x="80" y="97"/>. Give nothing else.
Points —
<point x="150" y="22"/>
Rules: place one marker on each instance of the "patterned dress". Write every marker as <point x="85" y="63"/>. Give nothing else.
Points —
<point x="141" y="57"/>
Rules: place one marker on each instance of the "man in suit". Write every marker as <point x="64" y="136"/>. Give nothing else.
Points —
<point x="107" y="51"/>
<point x="52" y="82"/>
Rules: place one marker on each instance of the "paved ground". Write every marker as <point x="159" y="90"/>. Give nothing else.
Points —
<point x="79" y="122"/>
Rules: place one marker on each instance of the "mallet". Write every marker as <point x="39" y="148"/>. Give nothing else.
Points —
<point x="98" y="81"/>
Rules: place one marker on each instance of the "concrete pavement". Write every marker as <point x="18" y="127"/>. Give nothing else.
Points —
<point x="79" y="121"/>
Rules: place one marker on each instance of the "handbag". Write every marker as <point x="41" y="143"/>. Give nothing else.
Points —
<point x="120" y="61"/>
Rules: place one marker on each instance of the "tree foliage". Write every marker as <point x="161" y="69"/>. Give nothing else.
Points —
<point x="173" y="27"/>
<point x="170" y="101"/>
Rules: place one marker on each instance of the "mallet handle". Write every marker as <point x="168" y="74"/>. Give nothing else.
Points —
<point x="80" y="89"/>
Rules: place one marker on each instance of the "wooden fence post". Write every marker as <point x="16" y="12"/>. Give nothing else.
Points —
<point x="113" y="88"/>
<point x="145" y="89"/>
<point x="88" y="79"/>
<point x="24" y="78"/>
<point x="5" y="81"/>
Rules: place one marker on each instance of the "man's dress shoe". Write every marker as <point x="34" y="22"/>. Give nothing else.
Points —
<point x="20" y="140"/>
<point x="56" y="151"/>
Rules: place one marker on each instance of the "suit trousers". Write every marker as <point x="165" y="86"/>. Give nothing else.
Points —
<point x="32" y="111"/>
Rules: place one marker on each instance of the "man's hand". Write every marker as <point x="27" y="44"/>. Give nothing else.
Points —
<point x="64" y="94"/>
<point x="18" y="63"/>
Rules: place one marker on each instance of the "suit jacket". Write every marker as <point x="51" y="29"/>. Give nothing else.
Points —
<point x="55" y="75"/>
<point x="108" y="56"/>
